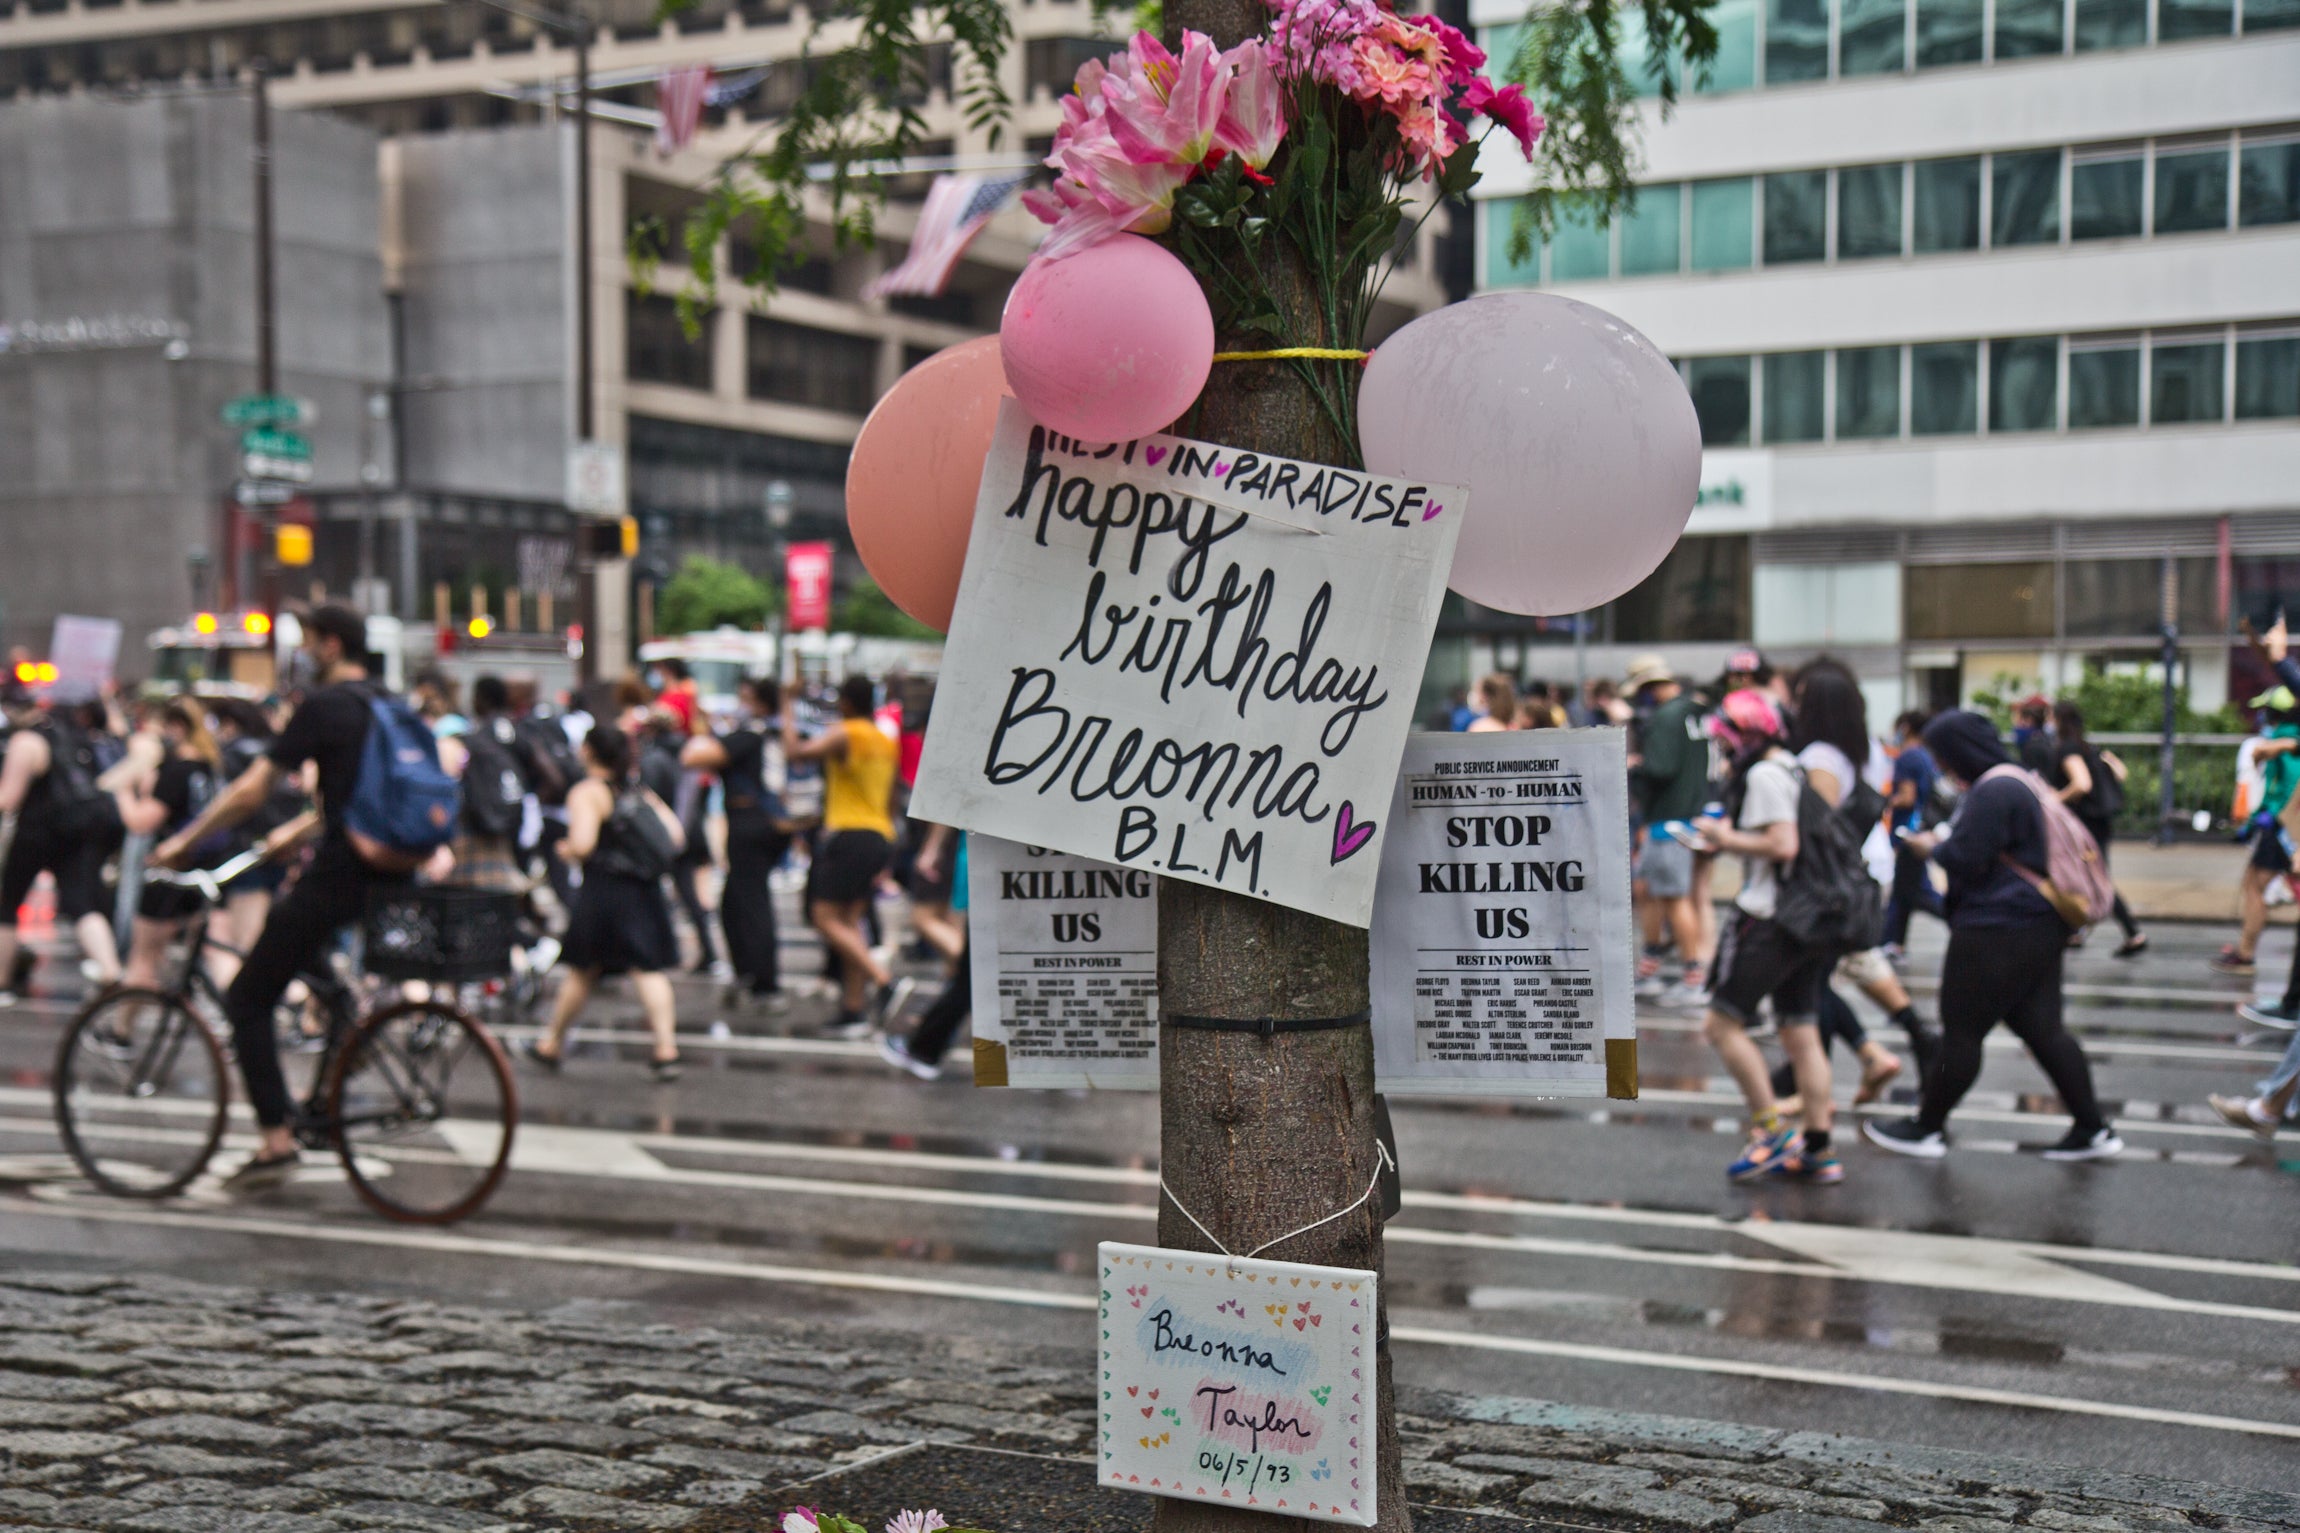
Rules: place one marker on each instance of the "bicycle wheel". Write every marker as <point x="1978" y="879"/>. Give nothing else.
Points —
<point x="423" y="1107"/>
<point x="141" y="1093"/>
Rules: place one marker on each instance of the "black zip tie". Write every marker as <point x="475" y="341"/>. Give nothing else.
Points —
<point x="1268" y="1027"/>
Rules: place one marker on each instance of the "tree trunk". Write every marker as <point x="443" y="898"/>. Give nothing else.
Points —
<point x="1259" y="1136"/>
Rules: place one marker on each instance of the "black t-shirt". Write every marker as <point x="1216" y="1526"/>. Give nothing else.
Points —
<point x="331" y="729"/>
<point x="183" y="789"/>
<point x="745" y="773"/>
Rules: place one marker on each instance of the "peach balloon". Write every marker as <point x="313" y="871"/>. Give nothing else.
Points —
<point x="915" y="471"/>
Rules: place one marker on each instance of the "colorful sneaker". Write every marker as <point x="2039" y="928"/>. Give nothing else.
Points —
<point x="1802" y="1165"/>
<point x="2230" y="961"/>
<point x="1906" y="1138"/>
<point x="1758" y="1155"/>
<point x="2261" y="1014"/>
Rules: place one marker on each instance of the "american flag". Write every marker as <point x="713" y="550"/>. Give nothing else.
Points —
<point x="679" y="95"/>
<point x="957" y="207"/>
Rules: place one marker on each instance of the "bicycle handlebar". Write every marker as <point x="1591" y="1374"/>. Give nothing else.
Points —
<point x="209" y="881"/>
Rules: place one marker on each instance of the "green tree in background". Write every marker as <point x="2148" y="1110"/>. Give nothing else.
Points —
<point x="867" y="610"/>
<point x="711" y="593"/>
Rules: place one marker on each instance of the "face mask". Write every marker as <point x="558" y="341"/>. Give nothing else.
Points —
<point x="303" y="668"/>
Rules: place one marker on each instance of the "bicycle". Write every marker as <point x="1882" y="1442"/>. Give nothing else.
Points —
<point x="415" y="1097"/>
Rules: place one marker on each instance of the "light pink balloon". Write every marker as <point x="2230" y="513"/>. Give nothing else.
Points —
<point x="1571" y="431"/>
<point x="1109" y="344"/>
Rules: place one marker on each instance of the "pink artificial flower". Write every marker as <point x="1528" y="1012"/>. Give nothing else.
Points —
<point x="1463" y="58"/>
<point x="1101" y="193"/>
<point x="1163" y="108"/>
<point x="1507" y="107"/>
<point x="1254" y="111"/>
<point x="1429" y="135"/>
<point x="1316" y="38"/>
<point x="1397" y="80"/>
<point x="928" y="1521"/>
<point x="800" y="1520"/>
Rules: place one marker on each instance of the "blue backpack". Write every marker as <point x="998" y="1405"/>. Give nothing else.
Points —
<point x="403" y="805"/>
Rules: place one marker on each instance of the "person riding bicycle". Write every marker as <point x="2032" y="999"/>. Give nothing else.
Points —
<point x="330" y="729"/>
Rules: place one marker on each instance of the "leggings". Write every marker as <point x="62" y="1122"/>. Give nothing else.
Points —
<point x="747" y="906"/>
<point x="690" y="895"/>
<point x="2008" y="974"/>
<point x="950" y="1008"/>
<point x="2100" y="837"/>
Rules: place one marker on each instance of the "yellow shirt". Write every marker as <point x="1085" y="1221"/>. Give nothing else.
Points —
<point x="858" y="785"/>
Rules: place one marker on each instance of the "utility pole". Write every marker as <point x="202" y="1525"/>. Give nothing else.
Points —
<point x="2169" y="614"/>
<point x="267" y="321"/>
<point x="1262" y="1132"/>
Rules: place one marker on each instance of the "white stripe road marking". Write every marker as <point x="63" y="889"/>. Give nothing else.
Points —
<point x="386" y="1237"/>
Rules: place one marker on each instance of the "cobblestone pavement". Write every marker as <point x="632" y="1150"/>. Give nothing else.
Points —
<point x="160" y="1406"/>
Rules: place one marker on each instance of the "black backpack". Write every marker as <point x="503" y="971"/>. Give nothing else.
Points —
<point x="552" y="764"/>
<point x="494" y="786"/>
<point x="634" y="841"/>
<point x="2106" y="800"/>
<point x="78" y="808"/>
<point x="1828" y="902"/>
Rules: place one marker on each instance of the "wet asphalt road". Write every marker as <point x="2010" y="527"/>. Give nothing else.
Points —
<point x="2142" y="1315"/>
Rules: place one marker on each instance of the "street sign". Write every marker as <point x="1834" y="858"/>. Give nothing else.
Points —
<point x="263" y="492"/>
<point x="269" y="410"/>
<point x="264" y="441"/>
<point x="595" y="480"/>
<point x="263" y="466"/>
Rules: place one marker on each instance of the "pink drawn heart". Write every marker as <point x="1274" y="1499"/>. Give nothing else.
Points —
<point x="1155" y="454"/>
<point x="1299" y="1322"/>
<point x="1350" y="833"/>
<point x="1220" y="469"/>
<point x="1432" y="509"/>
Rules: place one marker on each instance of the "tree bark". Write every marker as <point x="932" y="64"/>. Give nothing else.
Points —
<point x="1259" y="1136"/>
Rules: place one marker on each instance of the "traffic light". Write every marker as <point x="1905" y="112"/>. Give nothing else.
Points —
<point x="293" y="544"/>
<point x="611" y="538"/>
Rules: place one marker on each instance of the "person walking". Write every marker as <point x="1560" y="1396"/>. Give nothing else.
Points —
<point x="1669" y="778"/>
<point x="748" y="761"/>
<point x="1757" y="960"/>
<point x="1497" y="697"/>
<point x="1909" y="804"/>
<point x="858" y="763"/>
<point x="2091" y="782"/>
<point x="662" y="767"/>
<point x="625" y="838"/>
<point x="921" y="1053"/>
<point x="2276" y="649"/>
<point x="2271" y="1102"/>
<point x="66" y="825"/>
<point x="2277" y="754"/>
<point x="2006" y="943"/>
<point x="162" y="803"/>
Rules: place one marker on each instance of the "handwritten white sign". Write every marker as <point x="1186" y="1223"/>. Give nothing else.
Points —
<point x="1501" y="953"/>
<point x="1065" y="960"/>
<point x="1234" y="1380"/>
<point x="1188" y="659"/>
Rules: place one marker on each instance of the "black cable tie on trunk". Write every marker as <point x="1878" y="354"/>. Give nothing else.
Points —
<point x="1268" y="1027"/>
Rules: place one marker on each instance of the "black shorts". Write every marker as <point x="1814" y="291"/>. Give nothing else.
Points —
<point x="2268" y="851"/>
<point x="77" y="864"/>
<point x="168" y="902"/>
<point x="847" y="864"/>
<point x="1756" y="960"/>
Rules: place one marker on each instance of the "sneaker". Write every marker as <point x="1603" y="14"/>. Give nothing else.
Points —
<point x="847" y="1026"/>
<point x="1691" y="995"/>
<point x="2239" y="1112"/>
<point x="2100" y="1144"/>
<point x="2281" y="1017"/>
<point x="1758" y="1155"/>
<point x="1801" y="1165"/>
<point x="8" y="997"/>
<point x="543" y="955"/>
<point x="527" y="1053"/>
<point x="896" y="1052"/>
<point x="261" y="1171"/>
<point x="721" y="970"/>
<point x="1906" y="1137"/>
<point x="2230" y="961"/>
<point x="665" y="1071"/>
<point x="2133" y="946"/>
<point x="891" y="1000"/>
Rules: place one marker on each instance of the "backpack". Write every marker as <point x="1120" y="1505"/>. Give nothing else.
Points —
<point x="1828" y="901"/>
<point x="78" y="808"/>
<point x="494" y="788"/>
<point x="552" y="764"/>
<point x="403" y="804"/>
<point x="2106" y="800"/>
<point x="2075" y="881"/>
<point x="635" y="842"/>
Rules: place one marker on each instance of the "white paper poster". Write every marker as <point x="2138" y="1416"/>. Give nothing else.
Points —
<point x="1501" y="944"/>
<point x="1192" y="660"/>
<point x="1065" y="968"/>
<point x="1230" y="1379"/>
<point x="85" y="650"/>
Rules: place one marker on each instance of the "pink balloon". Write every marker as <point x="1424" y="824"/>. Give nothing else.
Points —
<point x="1571" y="431"/>
<point x="1109" y="344"/>
<point x="914" y="474"/>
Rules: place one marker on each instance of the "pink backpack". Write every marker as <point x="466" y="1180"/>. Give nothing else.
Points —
<point x="2076" y="881"/>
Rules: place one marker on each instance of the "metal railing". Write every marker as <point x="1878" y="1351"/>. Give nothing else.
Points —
<point x="2203" y="781"/>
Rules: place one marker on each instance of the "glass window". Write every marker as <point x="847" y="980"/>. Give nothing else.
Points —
<point x="2184" y="382"/>
<point x="801" y="365"/>
<point x="656" y="348"/>
<point x="1649" y="235"/>
<point x="2124" y="598"/>
<point x="1500" y="225"/>
<point x="1796" y="216"/>
<point x="2024" y="384"/>
<point x="1947" y="211"/>
<point x="1980" y="601"/>
<point x="1948" y="32"/>
<point x="1735" y="66"/>
<point x="2270" y="15"/>
<point x="1944" y="388"/>
<point x="2027" y="28"/>
<point x="2267" y="378"/>
<point x="1700" y="594"/>
<point x="1796" y="41"/>
<point x="1793" y="396"/>
<point x="1720" y="390"/>
<point x="1869" y="392"/>
<point x="2103" y="386"/>
<point x="2025" y="191"/>
<point x="2177" y="19"/>
<point x="2269" y="184"/>
<point x="1826" y="604"/>
<point x="2104" y="198"/>
<point x="1578" y="250"/>
<point x="1724" y="221"/>
<point x="1872" y="37"/>
<point x="2111" y="24"/>
<point x="2191" y="190"/>
<point x="1868" y="211"/>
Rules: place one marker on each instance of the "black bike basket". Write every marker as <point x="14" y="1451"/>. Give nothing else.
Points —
<point x="443" y="934"/>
